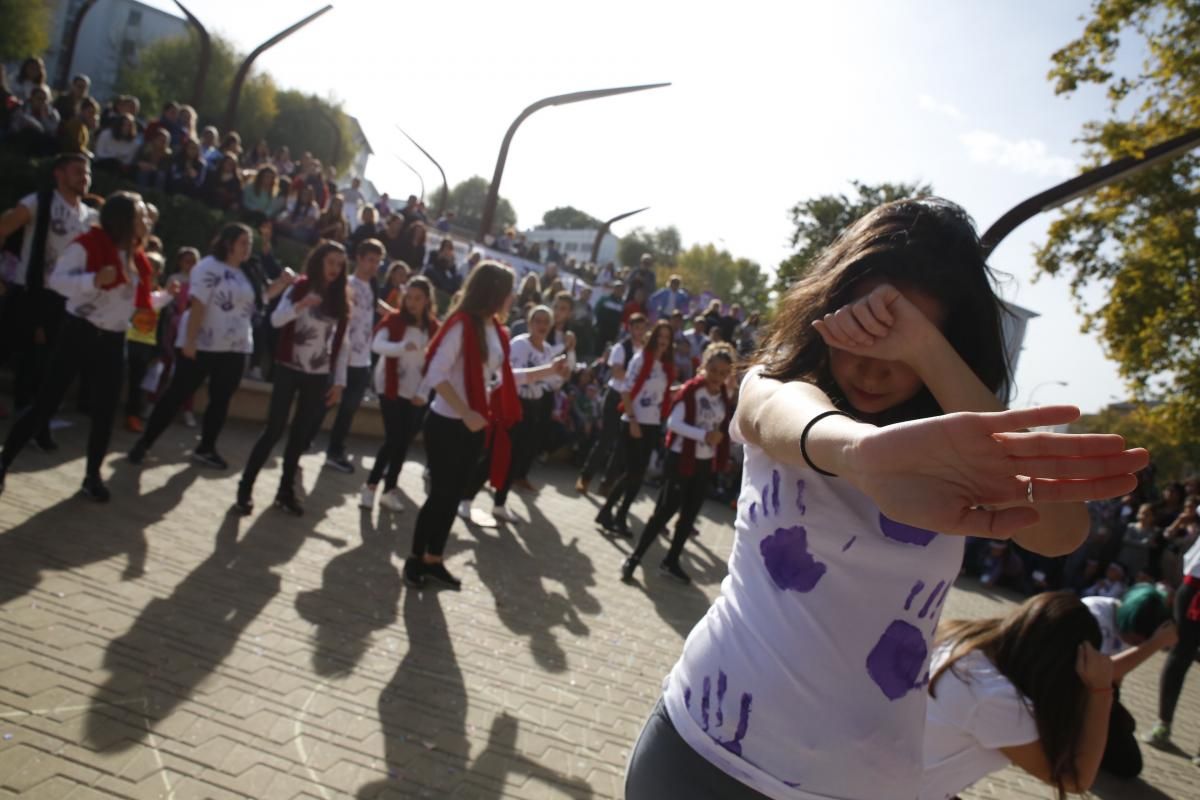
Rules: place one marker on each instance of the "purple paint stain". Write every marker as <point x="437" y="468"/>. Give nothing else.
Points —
<point x="734" y="745"/>
<point x="800" y="498"/>
<point x="775" y="491"/>
<point x="766" y="494"/>
<point x="916" y="590"/>
<point x="704" y="702"/>
<point x="932" y="595"/>
<point x="788" y="561"/>
<point x="941" y="599"/>
<point x="687" y="698"/>
<point x="896" y="661"/>
<point x="899" y="532"/>
<point x="849" y="544"/>
<point x="754" y="513"/>
<point x="721" y="684"/>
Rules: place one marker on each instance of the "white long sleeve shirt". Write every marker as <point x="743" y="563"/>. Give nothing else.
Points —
<point x="710" y="413"/>
<point x="409" y="353"/>
<point x="107" y="309"/>
<point x="312" y="340"/>
<point x="447" y="366"/>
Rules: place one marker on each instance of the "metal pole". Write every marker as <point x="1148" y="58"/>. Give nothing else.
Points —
<point x="493" y="196"/>
<point x="235" y="91"/>
<point x="445" y="186"/>
<point x="414" y="172"/>
<point x="604" y="229"/>
<point x="68" y="55"/>
<point x="1086" y="183"/>
<point x="203" y="59"/>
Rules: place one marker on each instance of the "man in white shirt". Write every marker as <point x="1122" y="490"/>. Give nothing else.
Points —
<point x="606" y="456"/>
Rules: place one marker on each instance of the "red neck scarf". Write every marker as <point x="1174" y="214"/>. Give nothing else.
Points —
<point x="687" y="396"/>
<point x="503" y="409"/>
<point x="102" y="252"/>
<point x="395" y="325"/>
<point x="287" y="334"/>
<point x="644" y="375"/>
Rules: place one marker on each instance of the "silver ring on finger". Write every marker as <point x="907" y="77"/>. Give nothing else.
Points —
<point x="1029" y="491"/>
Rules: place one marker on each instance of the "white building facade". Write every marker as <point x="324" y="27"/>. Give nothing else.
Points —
<point x="576" y="244"/>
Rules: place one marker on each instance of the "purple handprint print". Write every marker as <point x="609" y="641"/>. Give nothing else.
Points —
<point x="897" y="660"/>
<point x="710" y="725"/>
<point x="789" y="563"/>
<point x="899" y="532"/>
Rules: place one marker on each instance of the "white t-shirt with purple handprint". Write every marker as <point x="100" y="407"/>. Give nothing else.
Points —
<point x="806" y="678"/>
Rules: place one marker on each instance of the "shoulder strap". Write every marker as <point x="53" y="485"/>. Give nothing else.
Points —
<point x="36" y="269"/>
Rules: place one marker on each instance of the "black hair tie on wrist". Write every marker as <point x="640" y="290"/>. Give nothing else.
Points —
<point x="804" y="439"/>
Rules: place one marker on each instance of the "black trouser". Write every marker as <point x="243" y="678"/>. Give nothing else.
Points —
<point x="400" y="418"/>
<point x="357" y="379"/>
<point x="1181" y="656"/>
<point x="530" y="434"/>
<point x="665" y="767"/>
<point x="308" y="393"/>
<point x="678" y="493"/>
<point x="607" y="453"/>
<point x="637" y="458"/>
<point x="449" y="444"/>
<point x="139" y="355"/>
<point x="1122" y="756"/>
<point x="82" y="349"/>
<point x="24" y="313"/>
<point x="224" y="371"/>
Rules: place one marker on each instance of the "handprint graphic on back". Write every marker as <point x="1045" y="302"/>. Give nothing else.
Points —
<point x="785" y="552"/>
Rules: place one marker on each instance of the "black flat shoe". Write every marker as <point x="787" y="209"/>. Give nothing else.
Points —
<point x="414" y="576"/>
<point x="95" y="490"/>
<point x="439" y="573"/>
<point x="289" y="503"/>
<point x="671" y="569"/>
<point x="627" y="569"/>
<point x="244" y="502"/>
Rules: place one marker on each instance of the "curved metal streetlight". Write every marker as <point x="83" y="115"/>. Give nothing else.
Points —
<point x="64" y="61"/>
<point x="203" y="59"/>
<point x="493" y="196"/>
<point x="1083" y="184"/>
<point x="235" y="90"/>
<point x="445" y="186"/>
<point x="604" y="229"/>
<point x="1033" y="391"/>
<point x="414" y="172"/>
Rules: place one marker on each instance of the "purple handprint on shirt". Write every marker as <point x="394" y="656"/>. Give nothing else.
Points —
<point x="712" y="723"/>
<point x="897" y="660"/>
<point x="788" y="561"/>
<point x="899" y="532"/>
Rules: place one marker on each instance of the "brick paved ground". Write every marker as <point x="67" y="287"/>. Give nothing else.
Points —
<point x="160" y="647"/>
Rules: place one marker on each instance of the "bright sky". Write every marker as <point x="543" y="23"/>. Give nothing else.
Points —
<point x="770" y="103"/>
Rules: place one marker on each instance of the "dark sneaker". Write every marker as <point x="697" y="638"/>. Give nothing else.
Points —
<point x="94" y="489"/>
<point x="137" y="454"/>
<point x="414" y="575"/>
<point x="288" y="502"/>
<point x="604" y="519"/>
<point x="244" y="502"/>
<point x="628" y="568"/>
<point x="621" y="528"/>
<point x="45" y="442"/>
<point x="440" y="574"/>
<point x="209" y="458"/>
<point x="671" y="569"/>
<point x="340" y="463"/>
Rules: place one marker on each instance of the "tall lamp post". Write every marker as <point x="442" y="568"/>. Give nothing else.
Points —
<point x="1033" y="391"/>
<point x="445" y="186"/>
<point x="414" y="172"/>
<point x="604" y="229"/>
<point x="68" y="55"/>
<point x="203" y="59"/>
<point x="493" y="196"/>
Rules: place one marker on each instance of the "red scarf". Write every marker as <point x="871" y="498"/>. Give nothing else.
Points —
<point x="687" y="396"/>
<point x="102" y="252"/>
<point x="1193" y="609"/>
<point x="395" y="325"/>
<point x="503" y="409"/>
<point x="644" y="375"/>
<point x="287" y="334"/>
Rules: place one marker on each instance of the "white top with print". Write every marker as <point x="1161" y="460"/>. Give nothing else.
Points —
<point x="1104" y="611"/>
<point x="362" y="321"/>
<point x="409" y="351"/>
<point x="107" y="309"/>
<point x="447" y="365"/>
<point x="522" y="355"/>
<point x="710" y="413"/>
<point x="616" y="358"/>
<point x="647" y="406"/>
<point x="228" y="299"/>
<point x="67" y="222"/>
<point x="975" y="712"/>
<point x="806" y="678"/>
<point x="312" y="339"/>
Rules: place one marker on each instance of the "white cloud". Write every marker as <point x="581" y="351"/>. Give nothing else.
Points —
<point x="929" y="103"/>
<point x="1019" y="155"/>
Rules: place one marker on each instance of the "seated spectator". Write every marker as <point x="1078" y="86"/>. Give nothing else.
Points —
<point x="299" y="219"/>
<point x="384" y="206"/>
<point x="1167" y="509"/>
<point x="504" y="242"/>
<point x="223" y="185"/>
<point x="332" y="222"/>
<point x="697" y="335"/>
<point x="1111" y="585"/>
<point x="231" y="145"/>
<point x="442" y="272"/>
<point x="685" y="367"/>
<point x="635" y="305"/>
<point x="729" y="323"/>
<point x="67" y="104"/>
<point x="642" y="276"/>
<point x="186" y="122"/>
<point x="117" y="145"/>
<point x="258" y="157"/>
<point x="154" y="160"/>
<point x="607" y="274"/>
<point x="412" y="246"/>
<point x="392" y="237"/>
<point x="412" y="210"/>
<point x="36" y="115"/>
<point x="608" y="314"/>
<point x="352" y="203"/>
<point x="531" y="291"/>
<point x="1178" y="537"/>
<point x="259" y="200"/>
<point x="187" y="170"/>
<point x="209" y="150"/>
<point x="283" y="162"/>
<point x="668" y="299"/>
<point x="367" y="227"/>
<point x="31" y="76"/>
<point x="444" y="221"/>
<point x="747" y="336"/>
<point x="76" y="135"/>
<point x="534" y="252"/>
<point x="1142" y="544"/>
<point x="1001" y="566"/>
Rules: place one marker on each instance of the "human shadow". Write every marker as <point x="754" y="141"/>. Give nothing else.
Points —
<point x="359" y="594"/>
<point x="1107" y="787"/>
<point x="488" y="775"/>
<point x="178" y="641"/>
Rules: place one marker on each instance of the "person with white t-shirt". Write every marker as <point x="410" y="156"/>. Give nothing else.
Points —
<point x="645" y="400"/>
<point x="1030" y="689"/>
<point x="1183" y="654"/>
<point x="607" y="454"/>
<point x="873" y="442"/>
<point x="697" y="448"/>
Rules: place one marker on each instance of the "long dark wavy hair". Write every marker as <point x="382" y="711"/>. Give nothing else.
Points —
<point x="118" y="218"/>
<point x="484" y="293"/>
<point x="668" y="357"/>
<point x="427" y="318"/>
<point x="923" y="243"/>
<point x="335" y="300"/>
<point x="1035" y="647"/>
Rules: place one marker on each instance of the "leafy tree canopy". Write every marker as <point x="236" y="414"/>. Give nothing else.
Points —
<point x="25" y="30"/>
<point x="569" y="218"/>
<point x="704" y="267"/>
<point x="467" y="199"/>
<point x="664" y="244"/>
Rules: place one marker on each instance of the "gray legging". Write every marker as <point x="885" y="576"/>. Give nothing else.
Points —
<point x="1182" y="654"/>
<point x="663" y="766"/>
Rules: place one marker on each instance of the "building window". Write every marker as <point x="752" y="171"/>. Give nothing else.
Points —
<point x="570" y="247"/>
<point x="135" y="17"/>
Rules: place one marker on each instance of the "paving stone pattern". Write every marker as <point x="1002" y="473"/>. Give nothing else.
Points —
<point x="161" y="647"/>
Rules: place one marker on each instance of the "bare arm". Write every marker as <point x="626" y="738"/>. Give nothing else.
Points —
<point x="13" y="220"/>
<point x="1128" y="660"/>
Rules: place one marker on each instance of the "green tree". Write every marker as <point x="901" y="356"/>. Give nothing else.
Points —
<point x="664" y="244"/>
<point x="704" y="267"/>
<point x="26" y="30"/>
<point x="819" y="220"/>
<point x="1139" y="238"/>
<point x="569" y="218"/>
<point x="307" y="122"/>
<point x="467" y="199"/>
<point x="1176" y="453"/>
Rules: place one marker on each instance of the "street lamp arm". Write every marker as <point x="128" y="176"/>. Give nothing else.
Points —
<point x="205" y="54"/>
<point x="68" y="56"/>
<point x="414" y="172"/>
<point x="604" y="229"/>
<point x="1085" y="183"/>
<point x="445" y="184"/>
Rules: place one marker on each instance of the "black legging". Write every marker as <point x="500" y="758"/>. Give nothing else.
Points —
<point x="449" y="444"/>
<point x="400" y="419"/>
<point x="607" y="453"/>
<point x="224" y="371"/>
<point x="1122" y="755"/>
<point x="637" y="458"/>
<point x="1181" y="656"/>
<point x="84" y="350"/>
<point x="526" y="436"/>
<point x="678" y="493"/>
<point x="308" y="390"/>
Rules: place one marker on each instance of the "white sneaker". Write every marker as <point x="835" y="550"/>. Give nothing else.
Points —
<point x="367" y="498"/>
<point x="502" y="512"/>
<point x="391" y="500"/>
<point x="464" y="509"/>
<point x="189" y="419"/>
